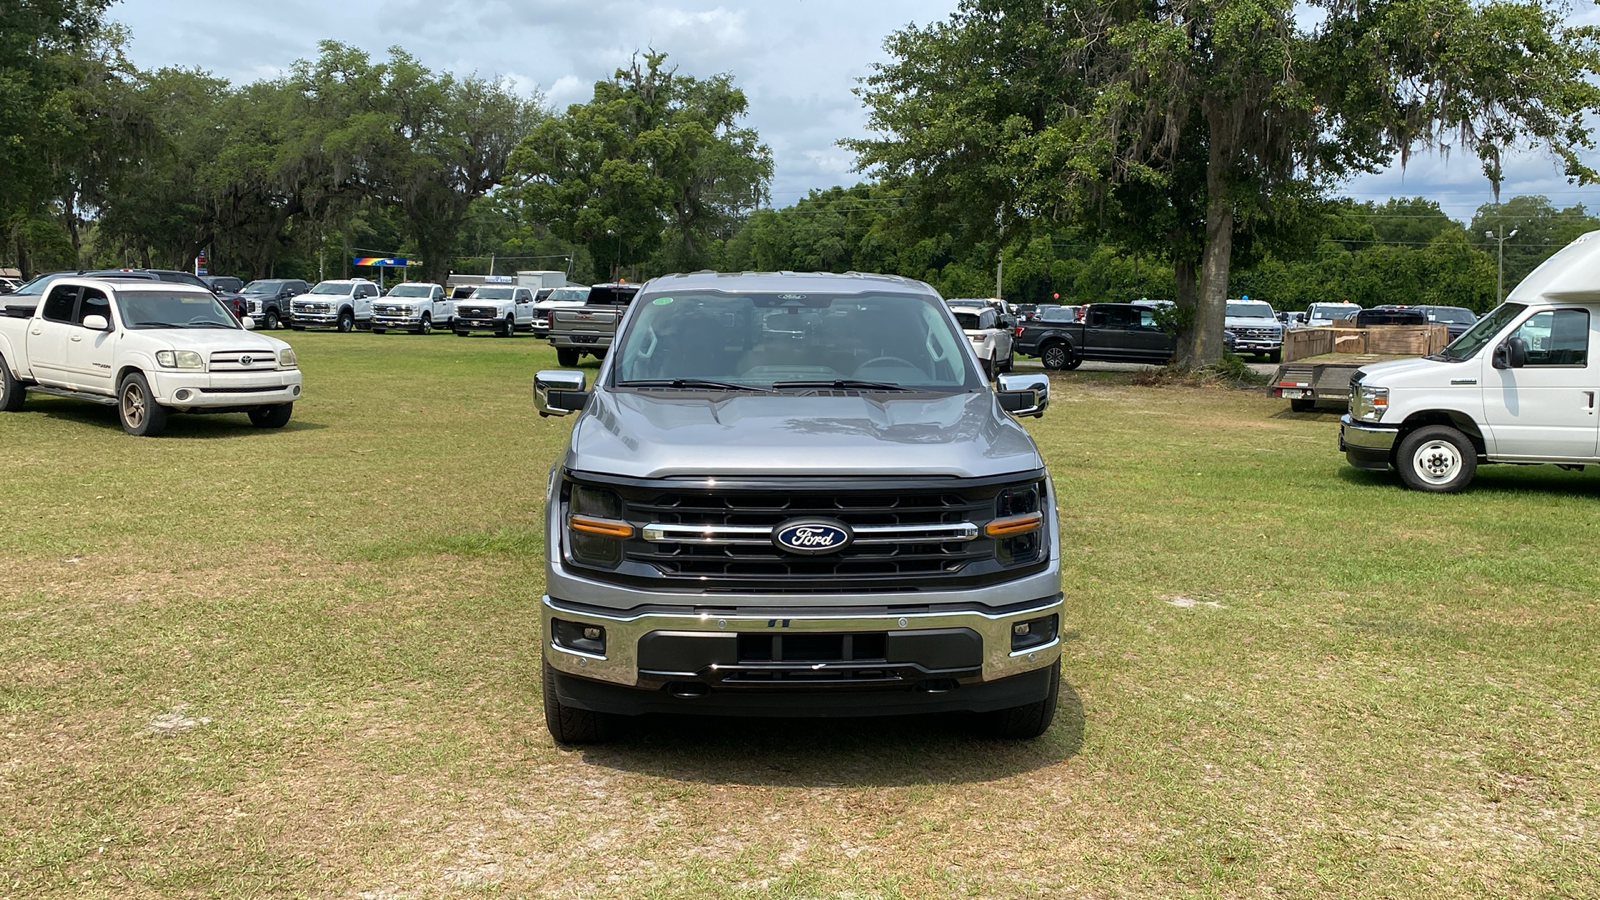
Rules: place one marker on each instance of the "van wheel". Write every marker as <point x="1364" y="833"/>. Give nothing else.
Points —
<point x="567" y="357"/>
<point x="272" y="416"/>
<point x="12" y="393"/>
<point x="137" y="408"/>
<point x="569" y="725"/>
<point x="1021" y="723"/>
<point x="1438" y="459"/>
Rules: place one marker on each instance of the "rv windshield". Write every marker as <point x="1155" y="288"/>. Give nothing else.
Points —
<point x="1474" y="339"/>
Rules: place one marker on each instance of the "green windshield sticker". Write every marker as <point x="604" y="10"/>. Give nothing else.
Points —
<point x="661" y="301"/>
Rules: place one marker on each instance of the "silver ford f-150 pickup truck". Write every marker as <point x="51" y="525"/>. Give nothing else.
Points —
<point x="796" y="495"/>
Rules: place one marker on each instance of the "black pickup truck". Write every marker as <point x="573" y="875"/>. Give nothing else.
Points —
<point x="1111" y="332"/>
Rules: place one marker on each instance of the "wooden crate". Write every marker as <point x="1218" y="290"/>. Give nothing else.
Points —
<point x="1299" y="343"/>
<point x="1390" y="340"/>
<point x="1411" y="340"/>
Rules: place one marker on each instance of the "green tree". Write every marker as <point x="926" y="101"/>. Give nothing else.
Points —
<point x="1540" y="228"/>
<point x="656" y="161"/>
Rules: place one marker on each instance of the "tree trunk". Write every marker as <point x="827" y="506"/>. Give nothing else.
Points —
<point x="1187" y="296"/>
<point x="1204" y="346"/>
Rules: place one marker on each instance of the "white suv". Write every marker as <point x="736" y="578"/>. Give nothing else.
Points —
<point x="345" y="305"/>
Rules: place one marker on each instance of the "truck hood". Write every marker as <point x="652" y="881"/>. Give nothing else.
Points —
<point x="1236" y="322"/>
<point x="654" y="435"/>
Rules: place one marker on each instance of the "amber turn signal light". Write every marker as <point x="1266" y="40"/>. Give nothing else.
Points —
<point x="1012" y="525"/>
<point x="607" y="527"/>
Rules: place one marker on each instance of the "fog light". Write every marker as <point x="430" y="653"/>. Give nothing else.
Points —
<point x="182" y="395"/>
<point x="589" y="639"/>
<point x="1033" y="633"/>
<point x="591" y="633"/>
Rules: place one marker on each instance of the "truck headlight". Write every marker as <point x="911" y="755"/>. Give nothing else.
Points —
<point x="595" y="527"/>
<point x="1368" y="404"/>
<point x="286" y="358"/>
<point x="1018" y="525"/>
<point x="179" y="359"/>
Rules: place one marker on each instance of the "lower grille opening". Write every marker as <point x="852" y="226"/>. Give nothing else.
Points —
<point x="801" y="647"/>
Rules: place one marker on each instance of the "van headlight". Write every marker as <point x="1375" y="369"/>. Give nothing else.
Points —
<point x="286" y="358"/>
<point x="1368" y="403"/>
<point x="179" y="359"/>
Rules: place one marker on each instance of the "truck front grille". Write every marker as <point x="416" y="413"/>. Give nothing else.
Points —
<point x="917" y="536"/>
<point x="243" y="360"/>
<point x="478" y="312"/>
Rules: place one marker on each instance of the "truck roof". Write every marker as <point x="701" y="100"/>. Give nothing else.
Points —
<point x="823" y="282"/>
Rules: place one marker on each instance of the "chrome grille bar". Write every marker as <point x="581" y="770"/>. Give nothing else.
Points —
<point x="757" y="534"/>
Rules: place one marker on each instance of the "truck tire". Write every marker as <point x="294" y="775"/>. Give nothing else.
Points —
<point x="379" y="330"/>
<point x="988" y="369"/>
<point x="569" y="725"/>
<point x="510" y="328"/>
<point x="12" y="393"/>
<point x="567" y="356"/>
<point x="137" y="409"/>
<point x="1302" y="405"/>
<point x="1437" y="459"/>
<point x="272" y="416"/>
<point x="427" y="325"/>
<point x="1276" y="356"/>
<point x="1057" y="355"/>
<point x="270" y="320"/>
<point x="347" y="321"/>
<point x="297" y="328"/>
<point x="460" y="333"/>
<point x="1021" y="723"/>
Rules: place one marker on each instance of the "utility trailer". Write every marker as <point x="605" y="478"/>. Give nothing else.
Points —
<point x="1319" y="362"/>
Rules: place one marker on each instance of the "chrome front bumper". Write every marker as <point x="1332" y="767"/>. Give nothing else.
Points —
<point x="1366" y="446"/>
<point x="619" y="665"/>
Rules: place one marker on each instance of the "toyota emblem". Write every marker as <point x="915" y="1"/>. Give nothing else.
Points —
<point x="246" y="360"/>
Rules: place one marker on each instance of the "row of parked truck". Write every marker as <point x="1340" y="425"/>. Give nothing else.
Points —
<point x="353" y="304"/>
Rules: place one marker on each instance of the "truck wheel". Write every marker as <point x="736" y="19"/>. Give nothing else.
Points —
<point x="137" y="408"/>
<point x="573" y="726"/>
<point x="347" y="322"/>
<point x="270" y="320"/>
<point x="12" y="394"/>
<point x="988" y="369"/>
<point x="1302" y="405"/>
<point x="427" y="325"/>
<point x="509" y="329"/>
<point x="1275" y="356"/>
<point x="272" y="416"/>
<point x="460" y="333"/>
<point x="567" y="357"/>
<point x="297" y="328"/>
<point x="1056" y="356"/>
<point x="379" y="330"/>
<point x="1438" y="459"/>
<point x="1021" y="723"/>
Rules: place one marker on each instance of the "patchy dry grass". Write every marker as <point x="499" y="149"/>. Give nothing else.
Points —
<point x="304" y="663"/>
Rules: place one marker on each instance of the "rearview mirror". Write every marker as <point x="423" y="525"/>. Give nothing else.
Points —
<point x="558" y="392"/>
<point x="96" y="323"/>
<point x="1023" y="395"/>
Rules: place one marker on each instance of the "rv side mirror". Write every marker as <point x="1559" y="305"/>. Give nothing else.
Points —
<point x="558" y="392"/>
<point x="1516" y="352"/>
<point x="1023" y="395"/>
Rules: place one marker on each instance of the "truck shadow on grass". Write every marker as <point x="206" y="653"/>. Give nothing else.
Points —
<point x="219" y="425"/>
<point x="889" y="751"/>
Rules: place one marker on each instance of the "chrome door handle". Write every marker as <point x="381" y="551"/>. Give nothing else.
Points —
<point x="77" y="337"/>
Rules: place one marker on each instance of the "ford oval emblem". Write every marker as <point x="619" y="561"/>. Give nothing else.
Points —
<point x="812" y="537"/>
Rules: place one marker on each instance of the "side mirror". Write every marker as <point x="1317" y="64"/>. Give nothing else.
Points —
<point x="1511" y="354"/>
<point x="248" y="323"/>
<point x="1023" y="395"/>
<point x="96" y="323"/>
<point x="558" y="392"/>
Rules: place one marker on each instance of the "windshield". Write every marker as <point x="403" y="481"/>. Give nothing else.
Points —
<point x="412" y="290"/>
<point x="578" y="294"/>
<point x="37" y="285"/>
<point x="764" y="341"/>
<point x="1331" y="311"/>
<point x="262" y="287"/>
<point x="1454" y="315"/>
<point x="149" y="309"/>
<point x="1474" y="339"/>
<point x="332" y="287"/>
<point x="492" y="293"/>
<point x="1250" y="311"/>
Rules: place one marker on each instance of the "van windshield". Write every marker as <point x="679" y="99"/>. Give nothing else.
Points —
<point x="1474" y="339"/>
<point x="766" y="341"/>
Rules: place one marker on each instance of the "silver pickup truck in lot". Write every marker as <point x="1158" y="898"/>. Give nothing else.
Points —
<point x="587" y="330"/>
<point x="796" y="495"/>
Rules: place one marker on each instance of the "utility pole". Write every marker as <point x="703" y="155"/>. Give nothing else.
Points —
<point x="1000" y="258"/>
<point x="1500" y="264"/>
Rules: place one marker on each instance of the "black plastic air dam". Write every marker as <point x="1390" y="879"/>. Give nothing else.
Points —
<point x="1005" y="693"/>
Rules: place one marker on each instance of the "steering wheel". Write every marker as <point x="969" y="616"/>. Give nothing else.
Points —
<point x="888" y="360"/>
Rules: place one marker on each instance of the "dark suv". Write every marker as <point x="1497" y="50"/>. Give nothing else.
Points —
<point x="268" y="299"/>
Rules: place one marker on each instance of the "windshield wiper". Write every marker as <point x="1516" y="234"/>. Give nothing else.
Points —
<point x="154" y="325"/>
<point x="841" y="384"/>
<point x="694" y="383"/>
<point x="206" y="325"/>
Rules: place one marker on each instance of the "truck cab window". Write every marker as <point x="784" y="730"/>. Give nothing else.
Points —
<point x="59" y="305"/>
<point x="94" y="303"/>
<point x="1558" y="337"/>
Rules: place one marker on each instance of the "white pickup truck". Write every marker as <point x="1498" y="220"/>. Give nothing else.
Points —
<point x="415" y="306"/>
<point x="1520" y="386"/>
<point x="501" y="309"/>
<point x="149" y="348"/>
<point x="344" y="305"/>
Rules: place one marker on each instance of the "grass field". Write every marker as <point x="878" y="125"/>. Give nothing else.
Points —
<point x="305" y="663"/>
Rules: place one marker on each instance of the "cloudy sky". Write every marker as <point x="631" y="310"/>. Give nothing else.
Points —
<point x="797" y="61"/>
